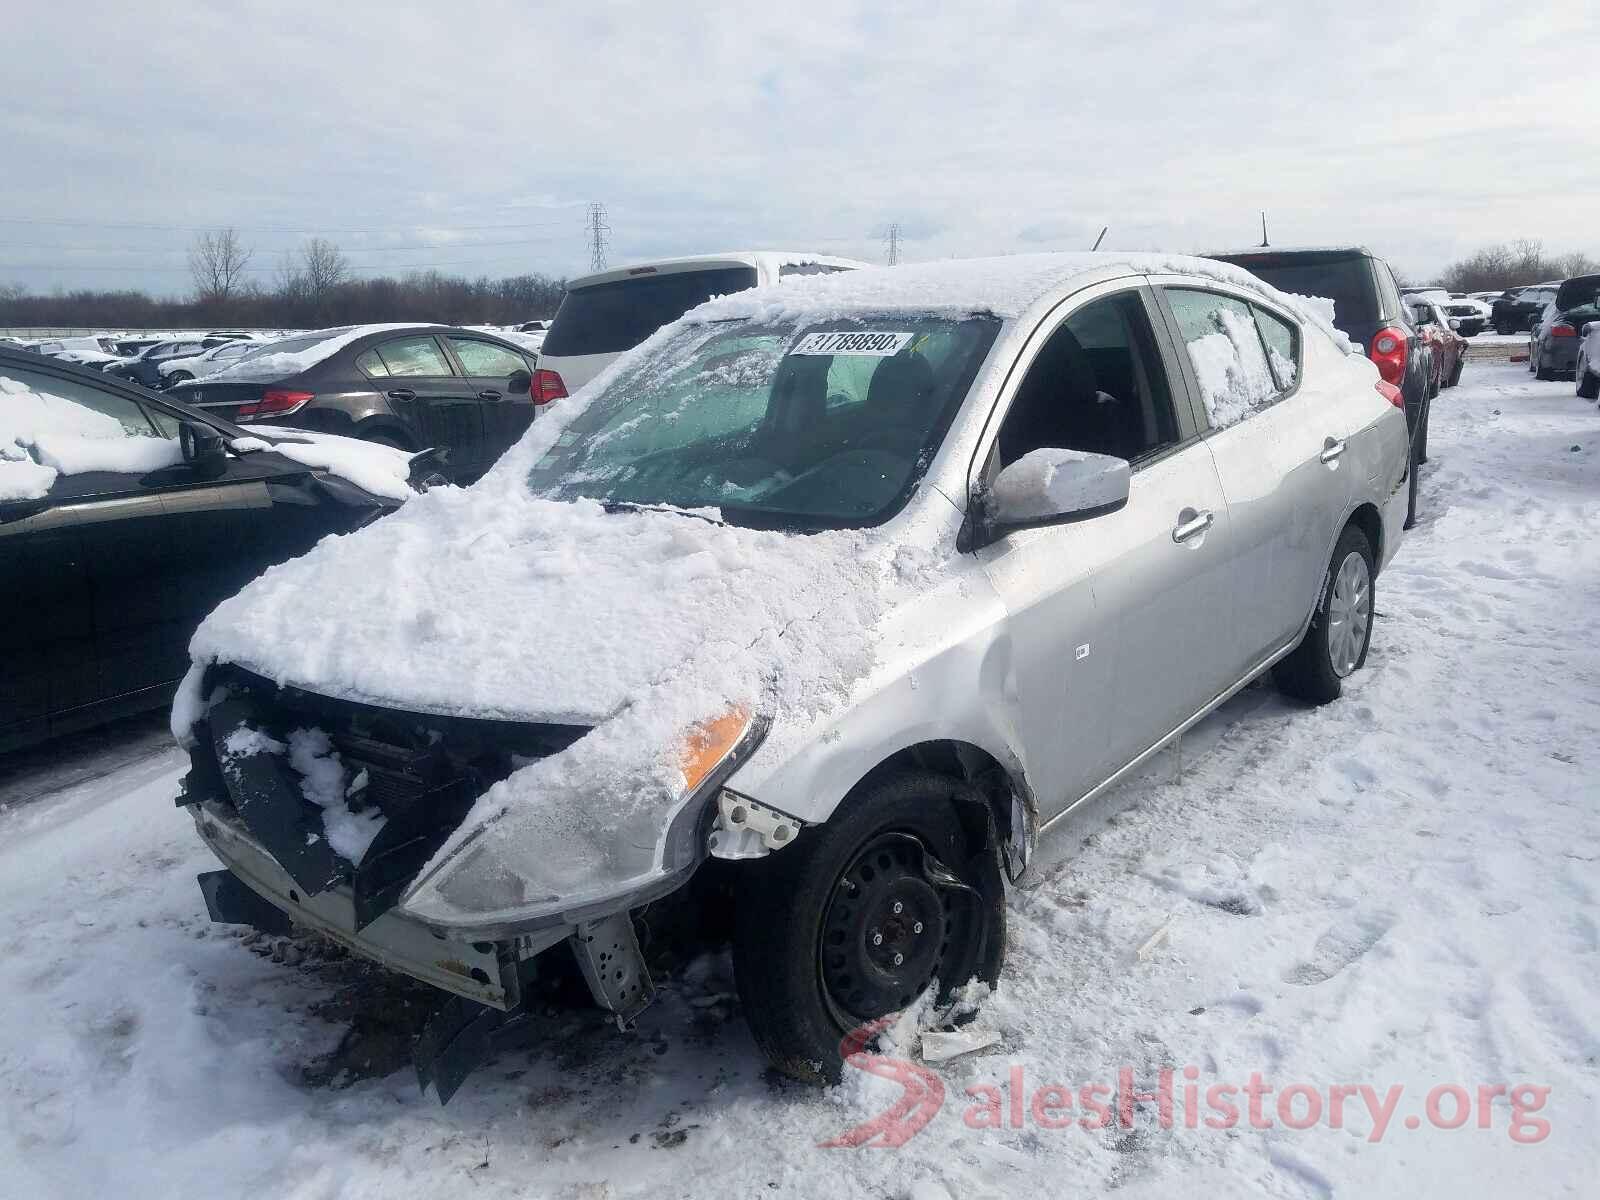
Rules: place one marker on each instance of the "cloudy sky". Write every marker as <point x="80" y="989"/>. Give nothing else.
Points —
<point x="472" y="138"/>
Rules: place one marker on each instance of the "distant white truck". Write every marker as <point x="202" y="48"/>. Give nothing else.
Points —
<point x="612" y="311"/>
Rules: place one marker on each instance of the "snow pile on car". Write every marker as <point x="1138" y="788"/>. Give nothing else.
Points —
<point x="282" y="363"/>
<point x="1231" y="368"/>
<point x="381" y="470"/>
<point x="42" y="436"/>
<point x="1007" y="286"/>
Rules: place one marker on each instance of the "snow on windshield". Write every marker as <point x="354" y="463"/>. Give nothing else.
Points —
<point x="43" y="436"/>
<point x="787" y="423"/>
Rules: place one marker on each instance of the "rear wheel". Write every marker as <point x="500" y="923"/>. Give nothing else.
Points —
<point x="1335" y="644"/>
<point x="178" y="377"/>
<point x="898" y="889"/>
<point x="1455" y="375"/>
<point x="1588" y="383"/>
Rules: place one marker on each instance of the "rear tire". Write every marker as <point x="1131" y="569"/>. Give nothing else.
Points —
<point x="807" y="967"/>
<point x="1588" y="385"/>
<point x="176" y="378"/>
<point x="1544" y="374"/>
<point x="1455" y="376"/>
<point x="1336" y="643"/>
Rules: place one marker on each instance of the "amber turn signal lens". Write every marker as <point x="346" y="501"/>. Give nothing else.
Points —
<point x="708" y="743"/>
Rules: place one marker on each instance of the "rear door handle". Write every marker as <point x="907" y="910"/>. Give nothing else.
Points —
<point x="1192" y="524"/>
<point x="489" y="394"/>
<point x="1331" y="450"/>
<point x="402" y="394"/>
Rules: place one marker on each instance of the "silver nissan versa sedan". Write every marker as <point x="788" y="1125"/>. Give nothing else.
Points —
<point x="813" y="610"/>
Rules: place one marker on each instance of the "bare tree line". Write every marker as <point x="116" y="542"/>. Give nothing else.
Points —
<point x="1511" y="264"/>
<point x="312" y="286"/>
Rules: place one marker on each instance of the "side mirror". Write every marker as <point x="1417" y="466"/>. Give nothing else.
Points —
<point x="1455" y="322"/>
<point x="519" y="382"/>
<point x="202" y="449"/>
<point x="1049" y="486"/>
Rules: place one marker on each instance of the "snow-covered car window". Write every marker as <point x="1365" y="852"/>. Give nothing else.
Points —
<point x="1282" y="340"/>
<point x="414" y="356"/>
<point x="1230" y="360"/>
<point x="51" y="427"/>
<point x="485" y="358"/>
<point x="738" y="416"/>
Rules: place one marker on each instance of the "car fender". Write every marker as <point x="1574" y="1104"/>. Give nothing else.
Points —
<point x="944" y="675"/>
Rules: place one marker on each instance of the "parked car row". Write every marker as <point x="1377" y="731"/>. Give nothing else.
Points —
<point x="1562" y="341"/>
<point x="726" y="583"/>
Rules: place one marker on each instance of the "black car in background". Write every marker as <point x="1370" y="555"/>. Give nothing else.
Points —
<point x="1367" y="309"/>
<point x="145" y="368"/>
<point x="414" y="387"/>
<point x="104" y="578"/>
<point x="1520" y="308"/>
<point x="1553" y="346"/>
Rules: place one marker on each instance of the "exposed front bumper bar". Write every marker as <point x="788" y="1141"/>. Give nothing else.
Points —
<point x="485" y="972"/>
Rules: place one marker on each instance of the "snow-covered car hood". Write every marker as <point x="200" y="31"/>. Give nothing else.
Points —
<point x="489" y="603"/>
<point x="484" y="603"/>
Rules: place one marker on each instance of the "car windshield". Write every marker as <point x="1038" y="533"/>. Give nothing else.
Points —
<point x="803" y="425"/>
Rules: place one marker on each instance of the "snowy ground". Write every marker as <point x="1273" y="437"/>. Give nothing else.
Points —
<point x="1400" y="889"/>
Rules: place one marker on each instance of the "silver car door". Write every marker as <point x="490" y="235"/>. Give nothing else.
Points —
<point x="1116" y="622"/>
<point x="1279" y="437"/>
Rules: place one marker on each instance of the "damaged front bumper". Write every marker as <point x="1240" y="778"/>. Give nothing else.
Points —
<point x="484" y="978"/>
<point x="250" y="810"/>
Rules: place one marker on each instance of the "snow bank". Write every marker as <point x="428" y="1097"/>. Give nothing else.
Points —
<point x="42" y="436"/>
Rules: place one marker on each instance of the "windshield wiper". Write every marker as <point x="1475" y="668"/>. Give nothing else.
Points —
<point x="616" y="506"/>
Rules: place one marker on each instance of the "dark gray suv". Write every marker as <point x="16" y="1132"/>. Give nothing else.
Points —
<point x="460" y="391"/>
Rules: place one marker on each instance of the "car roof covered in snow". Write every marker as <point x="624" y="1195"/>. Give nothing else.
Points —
<point x="772" y="260"/>
<point x="1007" y="287"/>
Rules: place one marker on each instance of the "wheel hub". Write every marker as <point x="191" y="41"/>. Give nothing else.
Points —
<point x="1349" y="614"/>
<point x="886" y="931"/>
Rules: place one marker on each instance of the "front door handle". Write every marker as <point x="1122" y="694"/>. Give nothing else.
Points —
<point x="489" y="394"/>
<point x="1332" y="448"/>
<point x="402" y="394"/>
<point x="1192" y="524"/>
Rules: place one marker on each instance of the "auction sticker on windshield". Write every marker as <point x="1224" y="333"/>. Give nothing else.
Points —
<point x="860" y="341"/>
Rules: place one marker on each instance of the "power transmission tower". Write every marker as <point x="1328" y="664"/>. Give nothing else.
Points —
<point x="892" y="240"/>
<point x="599" y="237"/>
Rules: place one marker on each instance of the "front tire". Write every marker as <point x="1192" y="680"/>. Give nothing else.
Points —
<point x="1335" y="645"/>
<point x="855" y="919"/>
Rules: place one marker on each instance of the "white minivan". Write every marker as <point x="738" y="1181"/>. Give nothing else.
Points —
<point x="607" y="313"/>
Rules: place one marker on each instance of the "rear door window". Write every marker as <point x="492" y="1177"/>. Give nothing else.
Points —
<point x="1227" y="352"/>
<point x="609" y="318"/>
<point x="414" y="357"/>
<point x="485" y="359"/>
